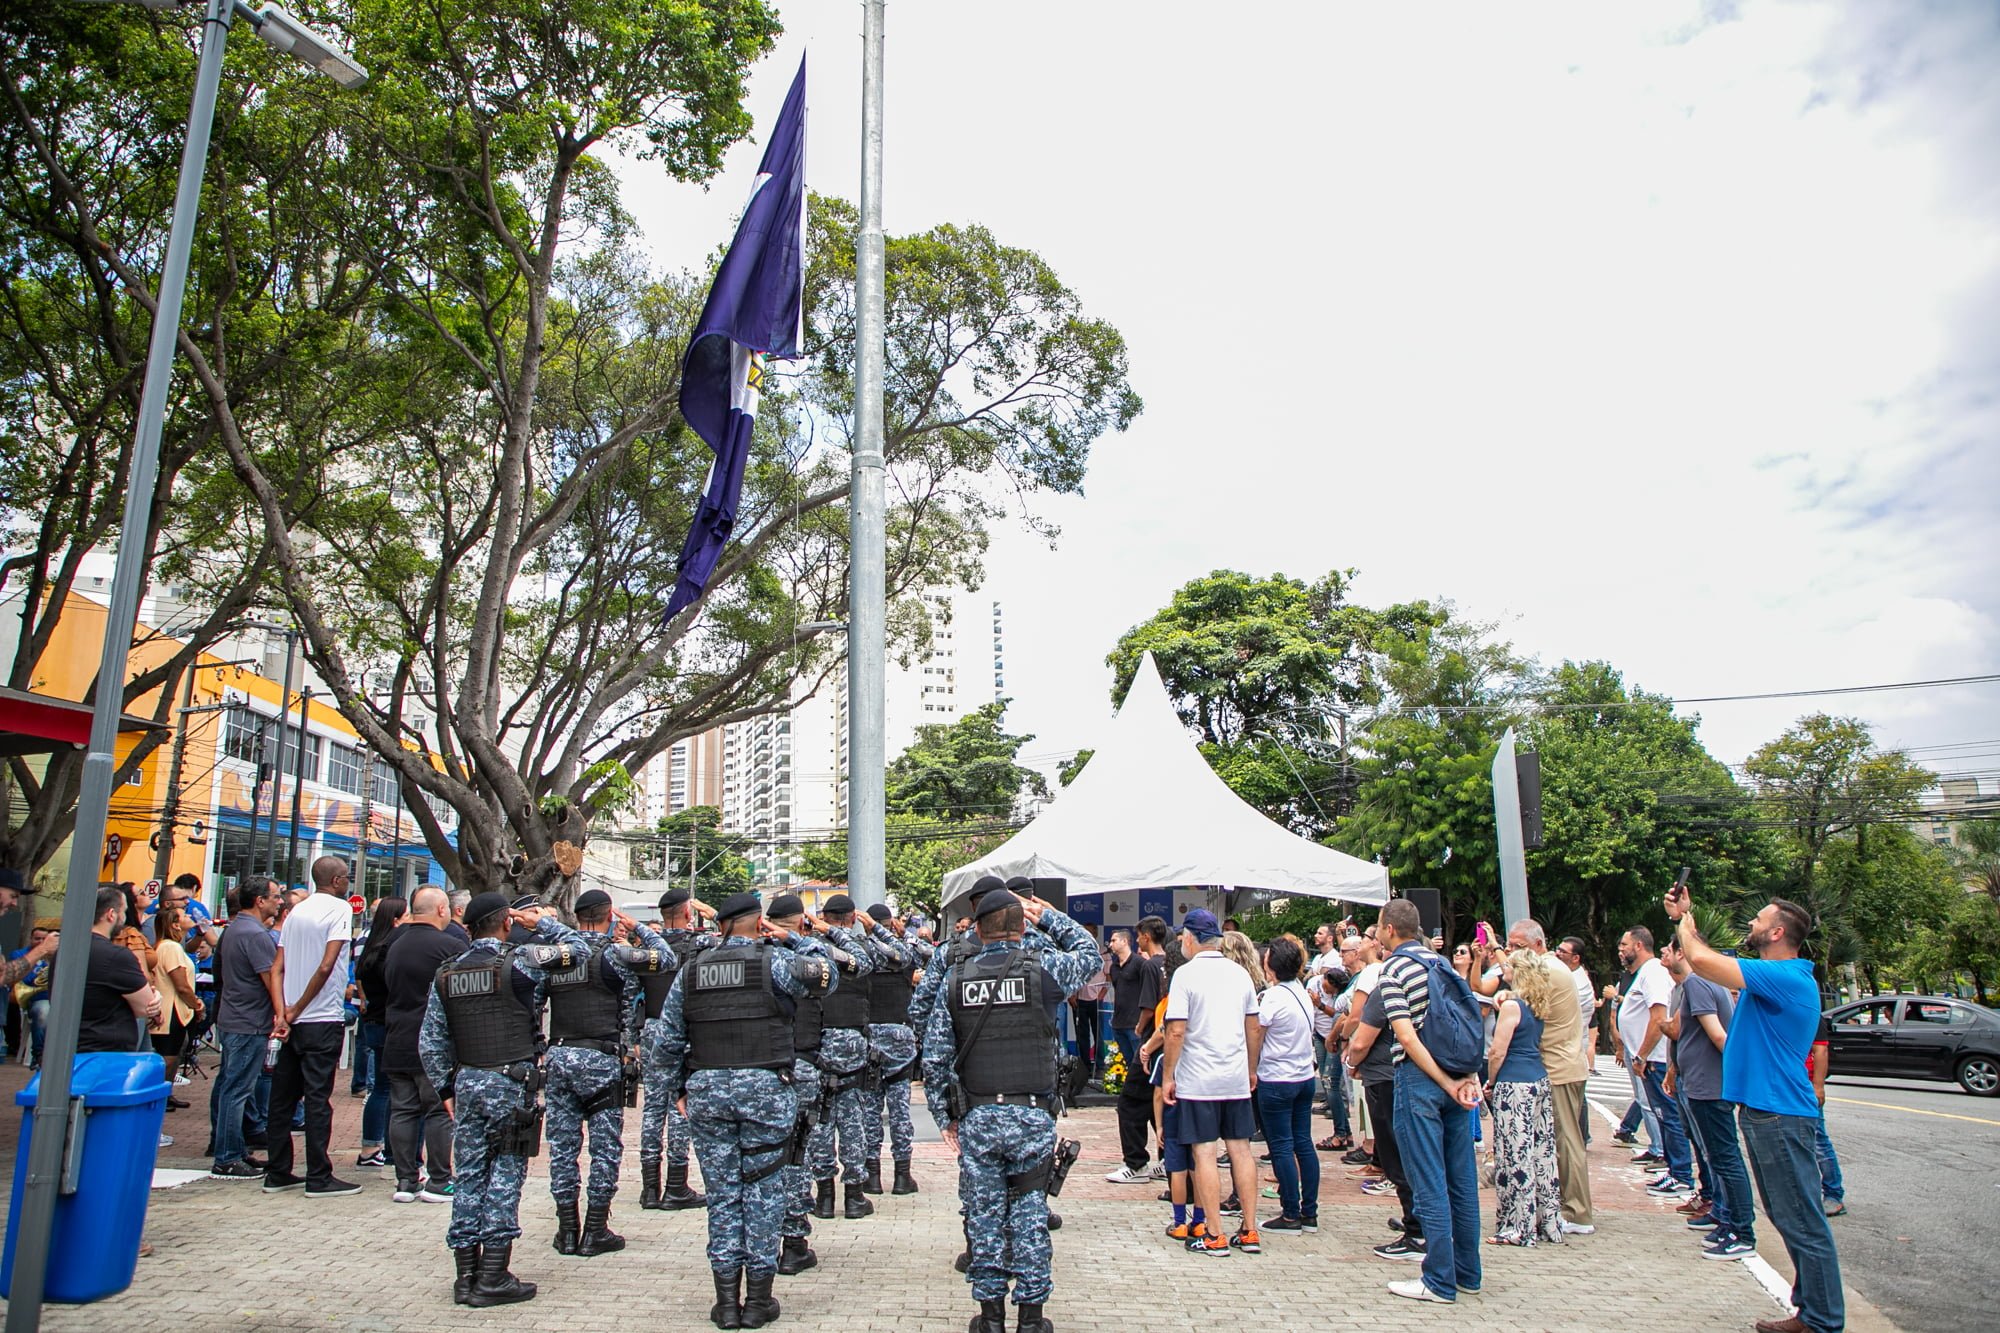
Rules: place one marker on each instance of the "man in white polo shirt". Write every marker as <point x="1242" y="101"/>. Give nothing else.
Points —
<point x="1211" y="1009"/>
<point x="311" y="948"/>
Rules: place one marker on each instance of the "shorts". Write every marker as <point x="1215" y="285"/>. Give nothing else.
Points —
<point x="1174" y="1154"/>
<point x="1207" y="1121"/>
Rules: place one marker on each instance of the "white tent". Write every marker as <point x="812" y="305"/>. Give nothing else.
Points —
<point x="1148" y="812"/>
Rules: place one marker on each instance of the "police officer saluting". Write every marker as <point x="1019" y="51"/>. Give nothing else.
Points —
<point x="659" y="1120"/>
<point x="479" y="1044"/>
<point x="990" y="1079"/>
<point x="727" y="1027"/>
<point x="838" y="1031"/>
<point x="893" y="1053"/>
<point x="593" y="1031"/>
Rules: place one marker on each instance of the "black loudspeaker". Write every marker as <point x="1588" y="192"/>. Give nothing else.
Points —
<point x="1054" y="892"/>
<point x="1528" y="773"/>
<point x="1429" y="908"/>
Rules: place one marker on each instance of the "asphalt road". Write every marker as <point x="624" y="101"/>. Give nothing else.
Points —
<point x="1921" y="1236"/>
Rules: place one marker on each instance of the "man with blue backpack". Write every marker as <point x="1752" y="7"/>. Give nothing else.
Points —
<point x="1439" y="1045"/>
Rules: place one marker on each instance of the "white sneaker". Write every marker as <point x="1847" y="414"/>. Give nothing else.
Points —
<point x="166" y="1140"/>
<point x="442" y="1194"/>
<point x="181" y="1080"/>
<point x="1159" y="1171"/>
<point x="1125" y="1175"/>
<point x="1415" y="1290"/>
<point x="1578" y="1228"/>
<point x="403" y="1196"/>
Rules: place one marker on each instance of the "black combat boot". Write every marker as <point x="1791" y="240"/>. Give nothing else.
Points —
<point x="871" y="1183"/>
<point x="727" y="1312"/>
<point x="1055" y="1220"/>
<point x="649" y="1185"/>
<point x="759" y="1306"/>
<point x="678" y="1194"/>
<point x="468" y="1272"/>
<point x="992" y="1318"/>
<point x="796" y="1256"/>
<point x="857" y="1203"/>
<point x="566" y="1227"/>
<point x="1028" y="1319"/>
<point x="905" y="1182"/>
<point x="495" y="1285"/>
<point x="823" y="1199"/>
<point x="598" y="1237"/>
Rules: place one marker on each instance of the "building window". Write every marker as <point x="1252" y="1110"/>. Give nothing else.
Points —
<point x="343" y="768"/>
<point x="289" y="763"/>
<point x="242" y="734"/>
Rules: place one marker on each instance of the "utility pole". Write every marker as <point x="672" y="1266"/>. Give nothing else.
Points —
<point x="298" y="783"/>
<point x="367" y="815"/>
<point x="261" y="762"/>
<point x="867" y="560"/>
<point x="170" y="809"/>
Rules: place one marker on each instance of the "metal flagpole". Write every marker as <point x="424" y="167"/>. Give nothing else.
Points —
<point x="52" y="1107"/>
<point x="867" y="614"/>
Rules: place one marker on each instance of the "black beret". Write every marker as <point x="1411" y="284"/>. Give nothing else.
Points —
<point x="741" y="904"/>
<point x="840" y="902"/>
<point x="784" y="905"/>
<point x="1022" y="884"/>
<point x="525" y="901"/>
<point x="880" y="911"/>
<point x="483" y="908"/>
<point x="674" y="897"/>
<point x="986" y="883"/>
<point x="592" y="899"/>
<point x="993" y="900"/>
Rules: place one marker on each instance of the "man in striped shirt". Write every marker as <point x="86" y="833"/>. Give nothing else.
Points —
<point x="1433" y="1119"/>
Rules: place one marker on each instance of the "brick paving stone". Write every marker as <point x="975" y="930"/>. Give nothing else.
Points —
<point x="229" y="1257"/>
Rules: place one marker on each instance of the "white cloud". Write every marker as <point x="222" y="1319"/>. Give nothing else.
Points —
<point x="1664" y="340"/>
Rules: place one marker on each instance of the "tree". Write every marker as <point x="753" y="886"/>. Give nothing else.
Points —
<point x="1977" y="855"/>
<point x="475" y="480"/>
<point x="690" y="847"/>
<point x="1824" y="777"/>
<point x="1629" y="794"/>
<point x="1424" y="804"/>
<point x="1067" y="774"/>
<point x="1883" y="897"/>
<point x="961" y="770"/>
<point x="1242" y="656"/>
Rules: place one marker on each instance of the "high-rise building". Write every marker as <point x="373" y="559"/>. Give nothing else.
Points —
<point x="686" y="774"/>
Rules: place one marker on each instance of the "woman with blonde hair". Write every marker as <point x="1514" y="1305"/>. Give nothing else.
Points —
<point x="1517" y="1090"/>
<point x="1238" y="949"/>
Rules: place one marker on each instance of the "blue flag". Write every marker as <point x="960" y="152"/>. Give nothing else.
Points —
<point x="754" y="312"/>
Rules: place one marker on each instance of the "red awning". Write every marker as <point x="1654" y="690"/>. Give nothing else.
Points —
<point x="37" y="724"/>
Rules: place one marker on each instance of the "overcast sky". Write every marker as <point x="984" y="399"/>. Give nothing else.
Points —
<point x="1664" y="333"/>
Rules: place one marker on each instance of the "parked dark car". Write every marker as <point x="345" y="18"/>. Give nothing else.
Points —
<point x="1918" y="1036"/>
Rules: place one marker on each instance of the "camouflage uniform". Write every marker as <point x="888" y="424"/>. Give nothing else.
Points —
<point x="576" y="1075"/>
<point x="740" y="1119"/>
<point x="658" y="1120"/>
<point x="895" y="1046"/>
<point x="843" y="1055"/>
<point x="486" y="1187"/>
<point x="805" y="1086"/>
<point x="1009" y="1236"/>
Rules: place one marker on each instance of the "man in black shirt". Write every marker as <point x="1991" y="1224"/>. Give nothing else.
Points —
<point x="417" y="948"/>
<point x="1136" y="1112"/>
<point x="117" y="998"/>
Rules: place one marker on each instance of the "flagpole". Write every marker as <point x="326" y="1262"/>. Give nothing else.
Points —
<point x="867" y="614"/>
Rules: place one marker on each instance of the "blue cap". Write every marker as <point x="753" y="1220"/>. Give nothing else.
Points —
<point x="1201" y="924"/>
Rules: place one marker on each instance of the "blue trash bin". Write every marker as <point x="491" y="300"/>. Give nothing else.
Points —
<point x="95" y="1245"/>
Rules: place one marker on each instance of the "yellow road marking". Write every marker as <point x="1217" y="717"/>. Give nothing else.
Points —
<point x="1913" y="1110"/>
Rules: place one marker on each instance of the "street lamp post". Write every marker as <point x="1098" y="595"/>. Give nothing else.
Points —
<point x="53" y="1113"/>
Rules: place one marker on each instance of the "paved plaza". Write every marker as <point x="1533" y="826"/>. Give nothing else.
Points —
<point x="229" y="1257"/>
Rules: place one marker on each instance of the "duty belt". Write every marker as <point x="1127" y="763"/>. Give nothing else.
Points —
<point x="590" y="1044"/>
<point x="521" y="1071"/>
<point x="1045" y="1101"/>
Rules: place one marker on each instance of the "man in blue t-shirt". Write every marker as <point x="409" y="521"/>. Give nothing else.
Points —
<point x="1764" y="1073"/>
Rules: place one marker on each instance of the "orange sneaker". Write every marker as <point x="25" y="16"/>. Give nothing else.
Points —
<point x="1246" y="1240"/>
<point x="1182" y="1230"/>
<point x="1207" y="1242"/>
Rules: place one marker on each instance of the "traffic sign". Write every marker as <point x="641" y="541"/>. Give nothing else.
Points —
<point x="356" y="901"/>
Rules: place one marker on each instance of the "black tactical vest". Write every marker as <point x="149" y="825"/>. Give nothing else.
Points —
<point x="889" y="991"/>
<point x="736" y="1017"/>
<point x="1015" y="1051"/>
<point x="657" y="984"/>
<point x="805" y="1033"/>
<point x="587" y="1000"/>
<point x="847" y="1007"/>
<point x="490" y="1026"/>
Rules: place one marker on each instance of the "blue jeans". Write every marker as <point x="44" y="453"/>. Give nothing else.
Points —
<point x="1287" y="1112"/>
<point x="229" y="1097"/>
<point x="1785" y="1161"/>
<point x="1714" y="1125"/>
<point x="1704" y="1173"/>
<point x="1673" y="1141"/>
<point x="374" y="1111"/>
<point x="1830" y="1183"/>
<point x="1641" y="1109"/>
<point x="1333" y="1084"/>
<point x="1127" y="1040"/>
<point x="1434" y="1139"/>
